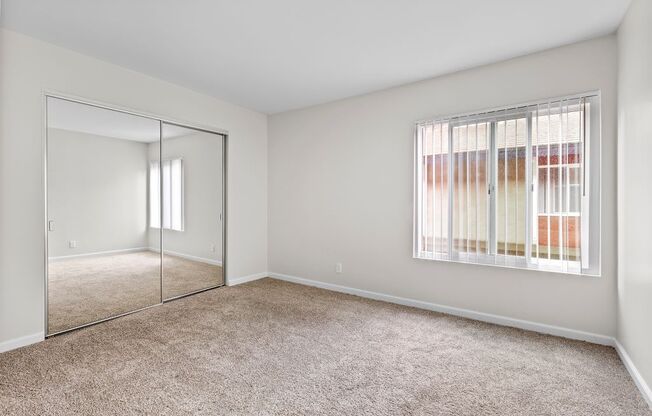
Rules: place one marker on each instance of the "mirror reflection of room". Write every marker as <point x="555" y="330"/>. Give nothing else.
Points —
<point x="99" y="259"/>
<point x="191" y="187"/>
<point x="115" y="197"/>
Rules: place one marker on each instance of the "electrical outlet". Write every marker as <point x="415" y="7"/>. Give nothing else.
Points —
<point x="213" y="248"/>
<point x="72" y="243"/>
<point x="338" y="267"/>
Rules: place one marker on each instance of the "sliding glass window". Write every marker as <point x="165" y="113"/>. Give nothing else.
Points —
<point x="516" y="187"/>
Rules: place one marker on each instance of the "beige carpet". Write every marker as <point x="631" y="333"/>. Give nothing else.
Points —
<point x="182" y="276"/>
<point x="87" y="289"/>
<point x="275" y="348"/>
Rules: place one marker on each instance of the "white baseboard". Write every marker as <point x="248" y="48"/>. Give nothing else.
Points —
<point x="245" y="279"/>
<point x="465" y="313"/>
<point x="99" y="253"/>
<point x="187" y="256"/>
<point x="12" y="344"/>
<point x="643" y="387"/>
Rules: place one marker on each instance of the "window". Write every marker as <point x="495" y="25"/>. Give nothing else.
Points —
<point x="515" y="187"/>
<point x="172" y="176"/>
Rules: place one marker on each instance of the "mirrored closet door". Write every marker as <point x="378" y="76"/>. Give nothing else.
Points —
<point x="103" y="259"/>
<point x="191" y="171"/>
<point x="135" y="212"/>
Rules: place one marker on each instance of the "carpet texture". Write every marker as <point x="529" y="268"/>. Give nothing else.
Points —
<point x="87" y="289"/>
<point x="274" y="348"/>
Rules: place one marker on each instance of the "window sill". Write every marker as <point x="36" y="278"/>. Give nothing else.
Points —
<point x="510" y="262"/>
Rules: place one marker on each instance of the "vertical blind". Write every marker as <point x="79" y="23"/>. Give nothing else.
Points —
<point x="510" y="186"/>
<point x="172" y="177"/>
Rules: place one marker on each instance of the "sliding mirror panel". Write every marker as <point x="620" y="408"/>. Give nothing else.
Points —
<point x="191" y="193"/>
<point x="103" y="258"/>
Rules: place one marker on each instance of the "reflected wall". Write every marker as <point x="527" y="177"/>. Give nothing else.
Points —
<point x="191" y="194"/>
<point x="99" y="261"/>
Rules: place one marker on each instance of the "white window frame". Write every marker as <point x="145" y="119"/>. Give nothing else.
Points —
<point x="590" y="263"/>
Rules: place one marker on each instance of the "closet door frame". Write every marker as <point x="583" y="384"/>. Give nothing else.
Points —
<point x="160" y="119"/>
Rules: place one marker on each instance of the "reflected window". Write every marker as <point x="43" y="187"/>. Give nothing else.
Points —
<point x="172" y="176"/>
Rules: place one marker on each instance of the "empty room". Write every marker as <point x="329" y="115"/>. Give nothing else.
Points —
<point x="362" y="207"/>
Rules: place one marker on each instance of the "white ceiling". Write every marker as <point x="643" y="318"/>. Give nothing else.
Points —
<point x="275" y="55"/>
<point x="69" y="115"/>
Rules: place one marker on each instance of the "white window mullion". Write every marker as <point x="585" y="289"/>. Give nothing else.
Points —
<point x="535" y="192"/>
<point x="433" y="220"/>
<point x="419" y="190"/>
<point x="560" y="237"/>
<point x="528" y="187"/>
<point x="477" y="192"/>
<point x="441" y="186"/>
<point x="424" y="167"/>
<point x="548" y="188"/>
<point x="451" y="181"/>
<point x="465" y="155"/>
<point x="487" y="188"/>
<point x="493" y="189"/>
<point x="516" y="210"/>
<point x="584" y="206"/>
<point x="581" y="154"/>
<point x="567" y="187"/>
<point x="505" y="187"/>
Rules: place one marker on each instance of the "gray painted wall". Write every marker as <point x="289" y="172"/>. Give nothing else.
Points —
<point x="634" y="175"/>
<point x="97" y="193"/>
<point x="202" y="170"/>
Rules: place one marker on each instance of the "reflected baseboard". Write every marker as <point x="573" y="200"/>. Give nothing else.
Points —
<point x="187" y="256"/>
<point x="100" y="253"/>
<point x="136" y="250"/>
